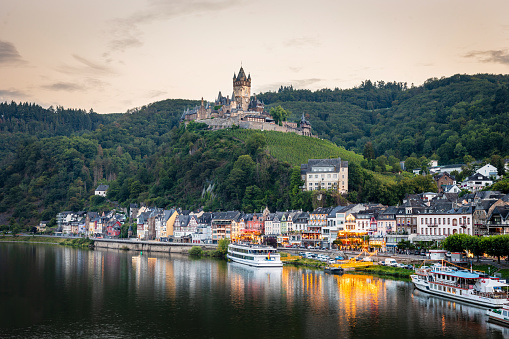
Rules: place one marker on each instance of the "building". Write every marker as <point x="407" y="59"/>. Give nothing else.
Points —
<point x="488" y="171"/>
<point x="476" y="182"/>
<point x="241" y="110"/>
<point x="329" y="174"/>
<point x="101" y="190"/>
<point x="433" y="222"/>
<point x="444" y="179"/>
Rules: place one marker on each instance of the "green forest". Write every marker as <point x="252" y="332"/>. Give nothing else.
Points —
<point x="52" y="159"/>
<point x="445" y="119"/>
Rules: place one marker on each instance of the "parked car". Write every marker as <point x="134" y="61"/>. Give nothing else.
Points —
<point x="331" y="261"/>
<point x="339" y="258"/>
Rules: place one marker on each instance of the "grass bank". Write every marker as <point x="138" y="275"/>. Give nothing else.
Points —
<point x="80" y="243"/>
<point x="386" y="270"/>
<point x="490" y="269"/>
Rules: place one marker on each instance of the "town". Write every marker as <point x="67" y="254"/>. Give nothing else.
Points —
<point x="425" y="218"/>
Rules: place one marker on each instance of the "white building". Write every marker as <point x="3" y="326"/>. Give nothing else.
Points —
<point x="446" y="223"/>
<point x="476" y="182"/>
<point x="488" y="171"/>
<point x="101" y="190"/>
<point x="325" y="174"/>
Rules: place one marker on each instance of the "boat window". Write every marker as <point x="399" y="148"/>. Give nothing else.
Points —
<point x="505" y="313"/>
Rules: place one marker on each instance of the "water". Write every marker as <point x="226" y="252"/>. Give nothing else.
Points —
<point x="49" y="291"/>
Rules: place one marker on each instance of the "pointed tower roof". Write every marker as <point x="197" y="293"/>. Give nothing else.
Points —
<point x="242" y="74"/>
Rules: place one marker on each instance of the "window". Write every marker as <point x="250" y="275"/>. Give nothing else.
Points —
<point x="454" y="222"/>
<point x="334" y="175"/>
<point x="310" y="176"/>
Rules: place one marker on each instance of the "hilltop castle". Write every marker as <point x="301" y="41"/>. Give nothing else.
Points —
<point x="241" y="110"/>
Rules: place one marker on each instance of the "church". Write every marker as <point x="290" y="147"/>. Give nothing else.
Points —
<point x="242" y="110"/>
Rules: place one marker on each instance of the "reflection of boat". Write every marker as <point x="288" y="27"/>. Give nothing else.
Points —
<point x="333" y="269"/>
<point x="254" y="255"/>
<point x="471" y="287"/>
<point x="499" y="315"/>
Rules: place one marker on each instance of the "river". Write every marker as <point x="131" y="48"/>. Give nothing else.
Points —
<point x="49" y="291"/>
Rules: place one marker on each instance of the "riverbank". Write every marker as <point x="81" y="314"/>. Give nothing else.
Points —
<point x="386" y="270"/>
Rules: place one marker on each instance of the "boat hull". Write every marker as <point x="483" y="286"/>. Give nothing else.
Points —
<point x="256" y="263"/>
<point x="470" y="299"/>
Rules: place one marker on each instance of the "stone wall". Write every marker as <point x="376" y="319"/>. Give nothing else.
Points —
<point x="148" y="246"/>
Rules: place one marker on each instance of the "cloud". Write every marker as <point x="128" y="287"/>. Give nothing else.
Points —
<point x="9" y="54"/>
<point x="155" y="93"/>
<point x="302" y="42"/>
<point x="82" y="85"/>
<point x="493" y="56"/>
<point x="126" y="32"/>
<point x="11" y="94"/>
<point x="85" y="66"/>
<point x="295" y="69"/>
<point x="64" y="86"/>
<point x="297" y="84"/>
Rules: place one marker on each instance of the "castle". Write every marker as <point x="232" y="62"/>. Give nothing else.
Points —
<point x="241" y="110"/>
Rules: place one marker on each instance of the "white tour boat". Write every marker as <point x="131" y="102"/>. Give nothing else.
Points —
<point x="499" y="315"/>
<point x="254" y="255"/>
<point x="463" y="285"/>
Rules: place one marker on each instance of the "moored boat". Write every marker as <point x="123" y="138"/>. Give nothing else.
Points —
<point x="468" y="286"/>
<point x="499" y="315"/>
<point x="254" y="255"/>
<point x="333" y="269"/>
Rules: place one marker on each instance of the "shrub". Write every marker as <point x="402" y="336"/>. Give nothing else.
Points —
<point x="196" y="251"/>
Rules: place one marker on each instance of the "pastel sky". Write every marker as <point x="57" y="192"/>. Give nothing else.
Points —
<point x="112" y="55"/>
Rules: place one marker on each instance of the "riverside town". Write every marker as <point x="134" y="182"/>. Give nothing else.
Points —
<point x="421" y="219"/>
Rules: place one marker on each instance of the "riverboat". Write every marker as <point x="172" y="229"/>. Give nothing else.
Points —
<point x="473" y="287"/>
<point x="254" y="255"/>
<point x="333" y="269"/>
<point x="499" y="315"/>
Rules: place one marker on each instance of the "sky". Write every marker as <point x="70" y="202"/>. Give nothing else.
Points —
<point x="115" y="55"/>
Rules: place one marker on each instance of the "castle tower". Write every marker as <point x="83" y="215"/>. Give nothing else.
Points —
<point x="242" y="89"/>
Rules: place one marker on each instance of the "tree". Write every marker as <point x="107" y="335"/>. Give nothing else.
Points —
<point x="369" y="151"/>
<point x="412" y="163"/>
<point x="473" y="245"/>
<point x="496" y="246"/>
<point x="279" y="114"/>
<point x="222" y="246"/>
<point x="455" y="242"/>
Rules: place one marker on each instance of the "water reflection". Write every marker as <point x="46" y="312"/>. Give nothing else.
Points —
<point x="57" y="291"/>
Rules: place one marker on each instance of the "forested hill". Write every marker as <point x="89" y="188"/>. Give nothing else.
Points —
<point x="447" y="118"/>
<point x="52" y="159"/>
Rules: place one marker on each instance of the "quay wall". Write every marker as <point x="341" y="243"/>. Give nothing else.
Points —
<point x="149" y="246"/>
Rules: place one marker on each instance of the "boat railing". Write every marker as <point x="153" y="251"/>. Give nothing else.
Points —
<point x="493" y="295"/>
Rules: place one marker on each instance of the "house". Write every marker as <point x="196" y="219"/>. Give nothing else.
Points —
<point x="436" y="222"/>
<point x="386" y="222"/>
<point x="476" y="182"/>
<point x="42" y="226"/>
<point x="113" y="228"/>
<point x="222" y="225"/>
<point x="447" y="168"/>
<point x="101" y="190"/>
<point x="444" y="179"/>
<point x="325" y="174"/>
<point x="498" y="220"/>
<point x="451" y="188"/>
<point x="488" y="171"/>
